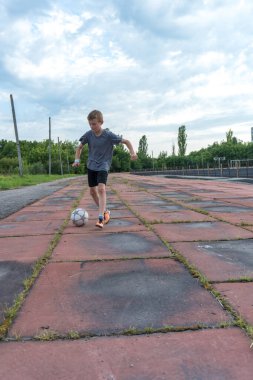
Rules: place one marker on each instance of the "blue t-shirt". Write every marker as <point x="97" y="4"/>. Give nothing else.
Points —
<point x="100" y="148"/>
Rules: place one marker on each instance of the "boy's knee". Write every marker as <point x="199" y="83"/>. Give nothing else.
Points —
<point x="101" y="188"/>
<point x="93" y="190"/>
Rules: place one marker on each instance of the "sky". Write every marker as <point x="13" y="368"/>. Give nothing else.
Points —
<point x="150" y="66"/>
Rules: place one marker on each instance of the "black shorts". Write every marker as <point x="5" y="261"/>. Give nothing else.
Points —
<point x="96" y="177"/>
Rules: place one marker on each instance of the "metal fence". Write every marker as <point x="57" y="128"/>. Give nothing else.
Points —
<point x="231" y="172"/>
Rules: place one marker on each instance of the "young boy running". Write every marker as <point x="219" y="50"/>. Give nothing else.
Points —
<point x="100" y="143"/>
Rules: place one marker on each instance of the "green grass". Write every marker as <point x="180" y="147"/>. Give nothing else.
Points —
<point x="15" y="181"/>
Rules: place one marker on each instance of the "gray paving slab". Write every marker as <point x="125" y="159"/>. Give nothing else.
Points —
<point x="29" y="228"/>
<point x="201" y="231"/>
<point x="109" y="246"/>
<point x="113" y="296"/>
<point x="12" y="275"/>
<point x="222" y="260"/>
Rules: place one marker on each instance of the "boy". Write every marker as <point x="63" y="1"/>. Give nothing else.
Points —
<point x="100" y="143"/>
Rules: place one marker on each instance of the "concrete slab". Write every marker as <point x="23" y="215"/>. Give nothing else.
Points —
<point x="29" y="228"/>
<point x="228" y="209"/>
<point x="176" y="216"/>
<point x="202" y="203"/>
<point x="146" y="201"/>
<point x="240" y="296"/>
<point x="24" y="249"/>
<point x="109" y="297"/>
<point x="12" y="275"/>
<point x="209" y="354"/>
<point x="247" y="201"/>
<point x="111" y="205"/>
<point x="115" y="214"/>
<point x="109" y="246"/>
<point x="179" y="196"/>
<point x="33" y="213"/>
<point x="56" y="200"/>
<point x="59" y="207"/>
<point x="200" y="231"/>
<point x="169" y="207"/>
<point x="234" y="218"/>
<point x="115" y="225"/>
<point x="220" y="261"/>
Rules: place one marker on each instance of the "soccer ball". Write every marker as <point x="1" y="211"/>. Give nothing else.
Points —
<point x="79" y="217"/>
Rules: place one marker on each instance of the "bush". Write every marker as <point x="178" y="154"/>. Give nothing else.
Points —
<point x="8" y="165"/>
<point x="37" y="168"/>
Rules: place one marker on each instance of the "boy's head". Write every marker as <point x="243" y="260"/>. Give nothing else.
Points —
<point x="95" y="115"/>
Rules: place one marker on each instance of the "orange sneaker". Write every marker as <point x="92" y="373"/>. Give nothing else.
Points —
<point x="106" y="216"/>
<point x="100" y="223"/>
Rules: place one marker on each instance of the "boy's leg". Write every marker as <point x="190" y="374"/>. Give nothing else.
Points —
<point x="97" y="183"/>
<point x="94" y="194"/>
<point x="93" y="185"/>
<point x="102" y="198"/>
<point x="102" y="180"/>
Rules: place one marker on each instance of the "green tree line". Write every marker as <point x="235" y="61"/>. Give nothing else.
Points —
<point x="223" y="152"/>
<point x="35" y="156"/>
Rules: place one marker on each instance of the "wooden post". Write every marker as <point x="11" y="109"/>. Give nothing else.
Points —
<point x="68" y="162"/>
<point x="17" y="139"/>
<point x="59" y="149"/>
<point x="49" y="149"/>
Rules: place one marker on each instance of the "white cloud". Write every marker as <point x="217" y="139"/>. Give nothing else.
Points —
<point x="149" y="66"/>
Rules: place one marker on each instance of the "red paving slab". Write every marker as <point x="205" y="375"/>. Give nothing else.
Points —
<point x="115" y="225"/>
<point x="25" y="249"/>
<point x="166" y="207"/>
<point x="237" y="218"/>
<point x="60" y="207"/>
<point x="220" y="261"/>
<point x="29" y="228"/>
<point x="109" y="246"/>
<point x="240" y="296"/>
<point x="176" y="216"/>
<point x="39" y="214"/>
<point x="106" y="297"/>
<point x="208" y="355"/>
<point x="200" y="231"/>
<point x="115" y="213"/>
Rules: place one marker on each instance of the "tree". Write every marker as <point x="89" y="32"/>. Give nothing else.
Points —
<point x="143" y="147"/>
<point x="182" y="137"/>
<point x="230" y="138"/>
<point x="173" y="149"/>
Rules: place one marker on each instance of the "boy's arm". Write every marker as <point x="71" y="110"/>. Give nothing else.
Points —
<point x="77" y="156"/>
<point x="130" y="148"/>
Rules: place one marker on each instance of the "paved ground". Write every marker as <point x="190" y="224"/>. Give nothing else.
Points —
<point x="164" y="291"/>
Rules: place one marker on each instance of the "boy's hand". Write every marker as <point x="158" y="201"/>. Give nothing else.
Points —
<point x="134" y="156"/>
<point x="76" y="163"/>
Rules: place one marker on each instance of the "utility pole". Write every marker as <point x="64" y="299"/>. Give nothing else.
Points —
<point x="17" y="139"/>
<point x="49" y="149"/>
<point x="68" y="162"/>
<point x="59" y="149"/>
